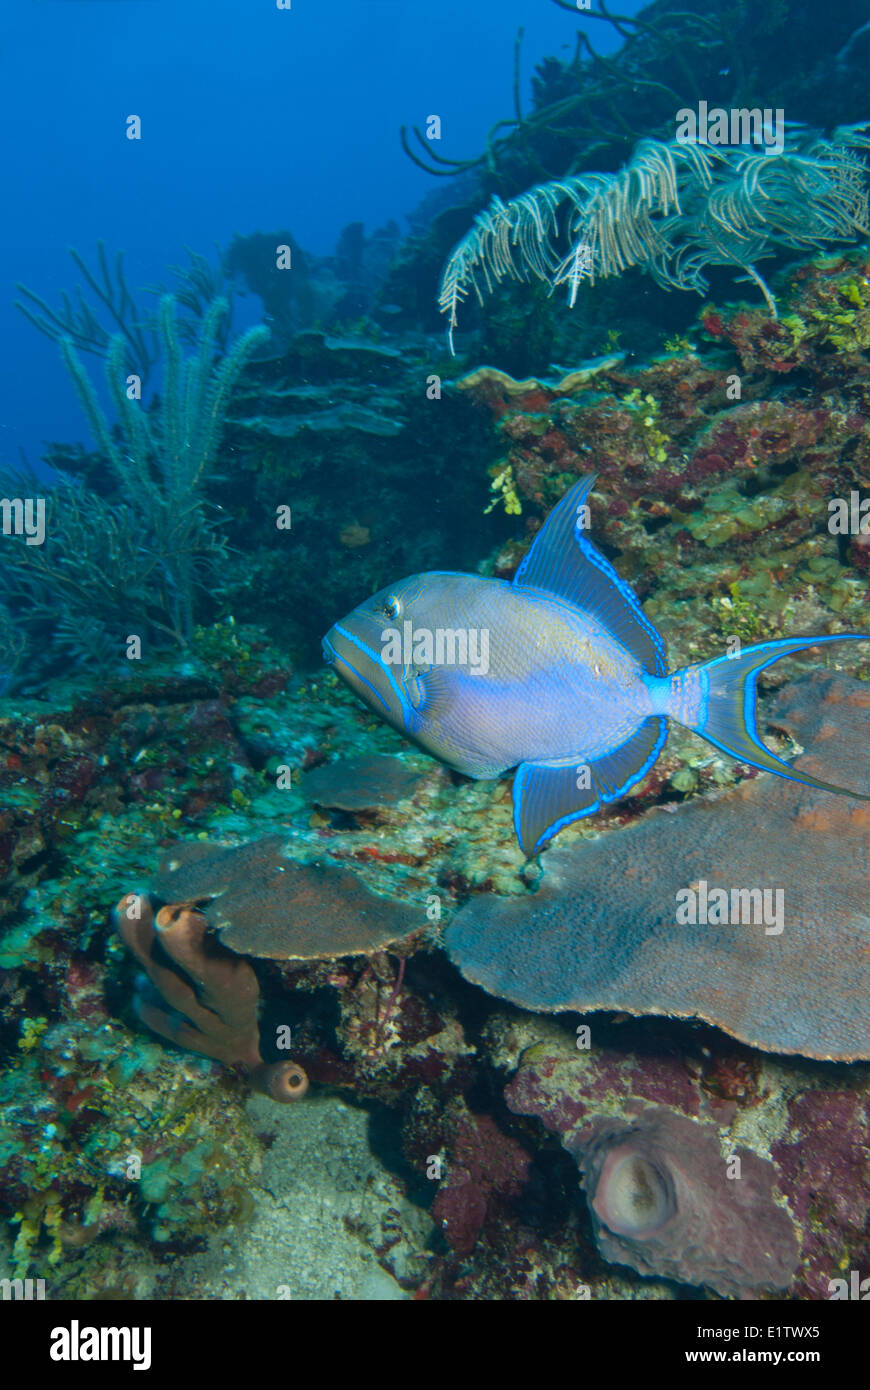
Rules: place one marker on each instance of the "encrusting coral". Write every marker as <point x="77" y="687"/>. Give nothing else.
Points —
<point x="213" y="995"/>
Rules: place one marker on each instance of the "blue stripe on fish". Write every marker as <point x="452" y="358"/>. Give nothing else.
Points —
<point x="372" y="656"/>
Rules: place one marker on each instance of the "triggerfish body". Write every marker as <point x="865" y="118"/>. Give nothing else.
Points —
<point x="557" y="673"/>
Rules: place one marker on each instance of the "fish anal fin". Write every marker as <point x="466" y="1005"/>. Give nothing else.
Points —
<point x="549" y="796"/>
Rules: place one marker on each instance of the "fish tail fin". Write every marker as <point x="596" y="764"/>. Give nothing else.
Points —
<point x="717" y="700"/>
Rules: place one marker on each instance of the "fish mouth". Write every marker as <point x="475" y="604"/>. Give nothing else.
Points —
<point x="360" y="667"/>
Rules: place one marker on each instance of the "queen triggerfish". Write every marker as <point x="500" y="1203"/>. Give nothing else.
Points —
<point x="557" y="673"/>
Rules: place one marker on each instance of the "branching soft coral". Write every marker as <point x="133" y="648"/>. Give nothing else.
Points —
<point x="164" y="454"/>
<point x="139" y="559"/>
<point x="672" y="210"/>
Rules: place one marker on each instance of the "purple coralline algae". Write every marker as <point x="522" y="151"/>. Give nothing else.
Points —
<point x="824" y="1165"/>
<point x="486" y="1170"/>
<point x="603" y="930"/>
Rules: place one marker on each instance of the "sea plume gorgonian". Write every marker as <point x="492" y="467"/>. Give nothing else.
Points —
<point x="672" y="210"/>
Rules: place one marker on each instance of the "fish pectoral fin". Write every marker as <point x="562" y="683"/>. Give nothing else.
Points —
<point x="549" y="796"/>
<point x="413" y="683"/>
<point x="564" y="563"/>
<point x="434" y="692"/>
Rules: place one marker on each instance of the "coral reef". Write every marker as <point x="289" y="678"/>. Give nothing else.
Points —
<point x="109" y="1148"/>
<point x="486" y="1170"/>
<point x="588" y="112"/>
<point x="326" y="428"/>
<point x="728" y="535"/>
<point x="321" y="861"/>
<point x="398" y="1032"/>
<point x="669" y="1191"/>
<point x="319" y="426"/>
<point x="334" y="290"/>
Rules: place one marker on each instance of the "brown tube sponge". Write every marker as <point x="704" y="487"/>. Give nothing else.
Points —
<point x="212" y="996"/>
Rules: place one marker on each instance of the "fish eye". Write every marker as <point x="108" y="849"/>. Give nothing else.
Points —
<point x="391" y="606"/>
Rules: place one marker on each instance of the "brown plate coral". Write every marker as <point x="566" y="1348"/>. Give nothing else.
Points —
<point x="263" y="904"/>
<point x="370" y="783"/>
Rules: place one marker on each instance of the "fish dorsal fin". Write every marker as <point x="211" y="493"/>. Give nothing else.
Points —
<point x="568" y="565"/>
<point x="549" y="796"/>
